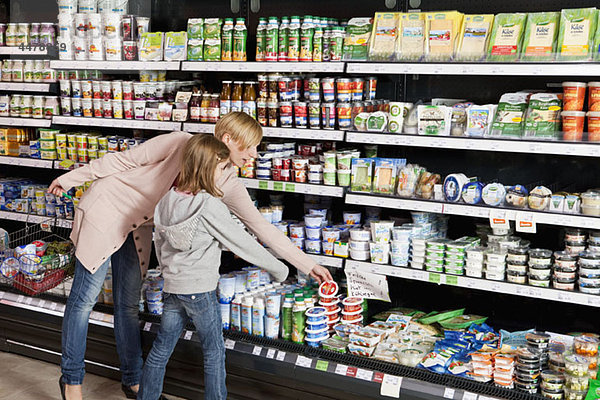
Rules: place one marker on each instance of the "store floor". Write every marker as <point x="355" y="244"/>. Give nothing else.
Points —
<point x="25" y="378"/>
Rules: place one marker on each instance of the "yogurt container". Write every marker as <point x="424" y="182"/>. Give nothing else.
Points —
<point x="352" y="304"/>
<point x="360" y="235"/>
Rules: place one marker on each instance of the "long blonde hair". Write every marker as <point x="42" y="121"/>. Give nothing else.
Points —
<point x="242" y="128"/>
<point x="200" y="159"/>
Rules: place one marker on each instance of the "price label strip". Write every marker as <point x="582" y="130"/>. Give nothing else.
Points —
<point x="448" y="393"/>
<point x="229" y="344"/>
<point x="304" y="362"/>
<point x="322" y="365"/>
<point x="280" y="356"/>
<point x="271" y="353"/>
<point x="147" y="326"/>
<point x="390" y="386"/>
<point x="469" y="396"/>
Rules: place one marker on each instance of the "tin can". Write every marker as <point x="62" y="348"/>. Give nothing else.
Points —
<point x="285" y="93"/>
<point x="314" y="115"/>
<point x="300" y="114"/>
<point x="328" y="112"/>
<point x="262" y="111"/>
<point x="370" y="87"/>
<point x="285" y="114"/>
<point x="314" y="89"/>
<point x="344" y="113"/>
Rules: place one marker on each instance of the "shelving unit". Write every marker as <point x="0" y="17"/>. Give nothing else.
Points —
<point x="307" y="134"/>
<point x="293" y="187"/>
<point x="117" y="65"/>
<point x="35" y="219"/>
<point x="26" y="162"/>
<point x="25" y="122"/>
<point x="25" y="87"/>
<point x="16" y="51"/>
<point x="118" y="123"/>
<point x="253" y="66"/>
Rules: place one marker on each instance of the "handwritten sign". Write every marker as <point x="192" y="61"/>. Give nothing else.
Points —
<point x="367" y="285"/>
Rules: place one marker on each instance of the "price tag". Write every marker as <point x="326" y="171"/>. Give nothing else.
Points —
<point x="448" y="393"/>
<point x="271" y="353"/>
<point x="434" y="278"/>
<point x="53" y="306"/>
<point x="469" y="396"/>
<point x="498" y="219"/>
<point x="451" y="280"/>
<point x="20" y="298"/>
<point x="264" y="185"/>
<point x="41" y="304"/>
<point x="256" y="351"/>
<point x="322" y="365"/>
<point x="364" y="374"/>
<point x="28" y="300"/>
<point x="278" y="186"/>
<point x="281" y="356"/>
<point x="302" y="361"/>
<point x="66" y="164"/>
<point x="1" y="295"/>
<point x="351" y="372"/>
<point x="229" y="344"/>
<point x="390" y="386"/>
<point x="525" y="222"/>
<point x="290" y="187"/>
<point x="188" y="335"/>
<point x="341" y="369"/>
<point x="378" y="377"/>
<point x="147" y="326"/>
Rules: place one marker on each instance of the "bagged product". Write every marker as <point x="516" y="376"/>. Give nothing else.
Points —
<point x="356" y="43"/>
<point x="509" y="115"/>
<point x="410" y="45"/>
<point x="576" y="35"/>
<point x="458" y="123"/>
<point x="212" y="28"/>
<point x="541" y="31"/>
<point x="195" y="28"/>
<point x="442" y="29"/>
<point x="408" y="178"/>
<point x="212" y="50"/>
<point x="361" y="178"/>
<point x="479" y="120"/>
<point x="386" y="169"/>
<point x="195" y="50"/>
<point x="474" y="37"/>
<point x="506" y="38"/>
<point x="151" y="46"/>
<point x="175" y="46"/>
<point x="543" y="116"/>
<point x="434" y="120"/>
<point x="383" y="36"/>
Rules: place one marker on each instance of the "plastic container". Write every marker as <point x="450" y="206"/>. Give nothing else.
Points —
<point x="573" y="123"/>
<point x="540" y="257"/>
<point x="576" y="365"/>
<point x="345" y="330"/>
<point x="573" y="95"/>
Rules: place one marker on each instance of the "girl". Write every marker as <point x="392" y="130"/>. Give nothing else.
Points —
<point x="191" y="222"/>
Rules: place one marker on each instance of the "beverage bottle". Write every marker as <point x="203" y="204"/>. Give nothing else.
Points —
<point x="247" y="302"/>
<point x="227" y="40"/>
<point x="326" y="56"/>
<point x="236" y="96"/>
<point x="272" y="44"/>
<point x="195" y="104"/>
<point x="258" y="316"/>
<point x="236" y="305"/>
<point x="214" y="109"/>
<point x="284" y="31"/>
<point x="225" y="106"/>
<point x="318" y="45"/>
<point x="307" y="32"/>
<point x="249" y="99"/>
<point x="204" y="106"/>
<point x="261" y="39"/>
<point x="240" y="35"/>
<point x="298" y="321"/>
<point x="286" y="317"/>
<point x="294" y="39"/>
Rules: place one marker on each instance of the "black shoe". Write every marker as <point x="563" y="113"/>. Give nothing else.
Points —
<point x="130" y="394"/>
<point x="61" y="384"/>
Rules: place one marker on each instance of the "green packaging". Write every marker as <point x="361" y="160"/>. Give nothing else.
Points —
<point x="195" y="28"/>
<point x="212" y="50"/>
<point x="284" y="39"/>
<point x="361" y="179"/>
<point x="298" y="321"/>
<point x="286" y="317"/>
<point x="294" y="39"/>
<point x="541" y="31"/>
<point x="576" y="35"/>
<point x="195" y="50"/>
<point x="151" y="46"/>
<point x="261" y="39"/>
<point x="356" y="42"/>
<point x="542" y="120"/>
<point x="507" y="37"/>
<point x="272" y="41"/>
<point x="240" y="37"/>
<point x="227" y="40"/>
<point x="212" y="28"/>
<point x="336" y="43"/>
<point x="508" y="120"/>
<point x="317" y="55"/>
<point x="307" y="32"/>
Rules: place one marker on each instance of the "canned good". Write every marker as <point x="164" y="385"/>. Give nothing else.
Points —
<point x="314" y="115"/>
<point x="285" y="90"/>
<point x="328" y="86"/>
<point x="314" y="89"/>
<point x="328" y="112"/>
<point x="370" y="87"/>
<point x="285" y="114"/>
<point x="357" y="88"/>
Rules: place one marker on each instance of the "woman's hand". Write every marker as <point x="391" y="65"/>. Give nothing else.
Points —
<point x="56" y="189"/>
<point x="321" y="274"/>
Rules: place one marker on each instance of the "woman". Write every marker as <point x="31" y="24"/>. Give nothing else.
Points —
<point x="111" y="228"/>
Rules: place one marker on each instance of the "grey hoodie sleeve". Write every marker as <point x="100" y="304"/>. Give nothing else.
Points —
<point x="219" y="224"/>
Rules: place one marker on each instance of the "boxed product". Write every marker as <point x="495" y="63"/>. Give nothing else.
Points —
<point x="434" y="120"/>
<point x="151" y="46"/>
<point x="383" y="36"/>
<point x="541" y="31"/>
<point x="543" y="116"/>
<point x="576" y="34"/>
<point x="474" y="37"/>
<point x="356" y="43"/>
<point x="506" y="39"/>
<point x="442" y="29"/>
<point x="479" y="119"/>
<point x="410" y="44"/>
<point x="361" y="178"/>
<point x="175" y="46"/>
<point x="510" y="113"/>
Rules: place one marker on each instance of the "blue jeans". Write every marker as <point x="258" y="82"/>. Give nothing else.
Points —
<point x="127" y="283"/>
<point x="204" y="311"/>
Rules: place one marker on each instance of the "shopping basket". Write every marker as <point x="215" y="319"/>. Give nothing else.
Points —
<point x="37" y="258"/>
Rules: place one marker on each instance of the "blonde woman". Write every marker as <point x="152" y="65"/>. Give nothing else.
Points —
<point x="111" y="227"/>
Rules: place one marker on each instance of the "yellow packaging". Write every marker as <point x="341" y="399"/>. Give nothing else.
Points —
<point x="441" y="30"/>
<point x="48" y="154"/>
<point x="410" y="45"/>
<point x="474" y="37"/>
<point x="61" y="140"/>
<point x="383" y="36"/>
<point x="47" y="144"/>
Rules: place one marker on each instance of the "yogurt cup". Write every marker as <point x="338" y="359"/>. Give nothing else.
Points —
<point x="352" y="319"/>
<point x="352" y="304"/>
<point x="313" y="233"/>
<point x="379" y="252"/>
<point x="351" y="218"/>
<point x="359" y="255"/>
<point x="313" y="221"/>
<point x="226" y="288"/>
<point x="381" y="231"/>
<point x="401" y="233"/>
<point x="331" y="234"/>
<point x="297" y="231"/>
<point x="359" y="246"/>
<point x="327" y="248"/>
<point x="573" y="95"/>
<point x="328" y="290"/>
<point x="360" y="235"/>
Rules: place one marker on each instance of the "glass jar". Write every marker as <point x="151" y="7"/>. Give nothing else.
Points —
<point x="15" y="105"/>
<point x="34" y="34"/>
<point x="11" y="34"/>
<point x="38" y="107"/>
<point x="28" y="69"/>
<point x="26" y="106"/>
<point x="51" y="106"/>
<point x="17" y="71"/>
<point x="7" y="71"/>
<point x="22" y="34"/>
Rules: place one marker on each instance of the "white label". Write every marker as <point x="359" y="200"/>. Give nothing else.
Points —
<point x="448" y="393"/>
<point x="41" y="303"/>
<point x="498" y="219"/>
<point x="271" y="353"/>
<point x="525" y="222"/>
<point x="256" y="351"/>
<point x="229" y="344"/>
<point x="281" y="356"/>
<point x="147" y="326"/>
<point x="367" y="285"/>
<point x="364" y="374"/>
<point x="188" y="335"/>
<point x="302" y="361"/>
<point x="1" y="295"/>
<point x="53" y="306"/>
<point x="390" y="386"/>
<point x="28" y="300"/>
<point x="20" y="298"/>
<point x="341" y="369"/>
<point x="469" y="396"/>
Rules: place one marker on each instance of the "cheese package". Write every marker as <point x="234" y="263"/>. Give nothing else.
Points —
<point x="474" y="37"/>
<point x="577" y="29"/>
<point x="506" y="38"/>
<point x="410" y="45"/>
<point x="542" y="119"/>
<point x="434" y="120"/>
<point x="356" y="43"/>
<point x="386" y="170"/>
<point x="361" y="179"/>
<point x="479" y="119"/>
<point x="509" y="115"/>
<point x="442" y="29"/>
<point x="383" y="36"/>
<point x="541" y="31"/>
<point x="175" y="46"/>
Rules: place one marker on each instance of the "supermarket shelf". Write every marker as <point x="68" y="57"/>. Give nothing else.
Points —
<point x="26" y="162"/>
<point x="510" y="69"/>
<point x="118" y="123"/>
<point x="328" y="261"/>
<point x="34" y="219"/>
<point x="116" y="65"/>
<point x="293" y="187"/>
<point x="476" y="283"/>
<point x="298" y="133"/>
<point x="503" y="145"/>
<point x="25" y="122"/>
<point x="195" y="127"/>
<point x="24" y="87"/>
<point x="539" y="217"/>
<point x="16" y="51"/>
<point x="253" y="66"/>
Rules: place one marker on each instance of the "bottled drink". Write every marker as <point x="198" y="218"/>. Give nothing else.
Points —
<point x="225" y="98"/>
<point x="240" y="35"/>
<point x="195" y="104"/>
<point x="261" y="39"/>
<point x="227" y="40"/>
<point x="204" y="106"/>
<point x="258" y="316"/>
<point x="284" y="31"/>
<point x="213" y="109"/>
<point x="286" y="317"/>
<point x="298" y="321"/>
<point x="272" y="45"/>
<point x="236" y="96"/>
<point x="294" y="39"/>
<point x="249" y="99"/>
<point x="318" y="45"/>
<point x="307" y="32"/>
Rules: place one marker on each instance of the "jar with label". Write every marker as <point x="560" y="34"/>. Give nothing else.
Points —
<point x="15" y="105"/>
<point x="195" y="104"/>
<point x="4" y="106"/>
<point x="273" y="81"/>
<point x="285" y="114"/>
<point x="11" y="35"/>
<point x="213" y="109"/>
<point x="26" y="106"/>
<point x="204" y="105"/>
<point x="38" y="71"/>
<point x="51" y="106"/>
<point x="249" y="99"/>
<point x="22" y="34"/>
<point x="47" y="34"/>
<point x="34" y="34"/>
<point x="272" y="109"/>
<point x="38" y="107"/>
<point x="48" y="74"/>
<point x="17" y="71"/>
<point x="236" y="96"/>
<point x="261" y="111"/>
<point x="7" y="71"/>
<point x="263" y="86"/>
<point x="2" y="34"/>
<point x="28" y="69"/>
<point x="225" y="106"/>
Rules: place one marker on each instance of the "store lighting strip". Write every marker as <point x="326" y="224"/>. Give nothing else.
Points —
<point x="118" y="123"/>
<point x="293" y="187"/>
